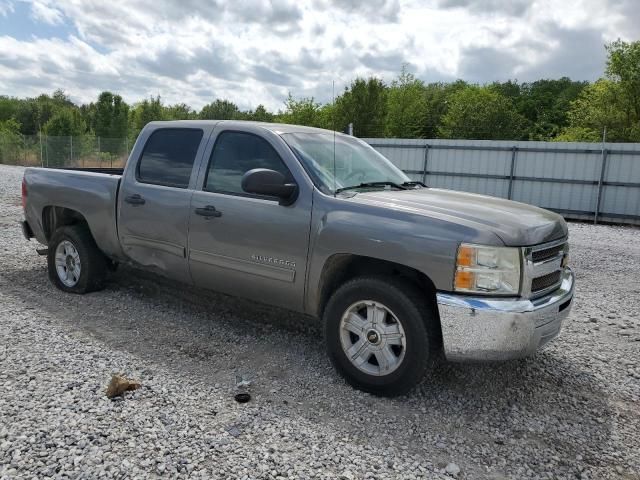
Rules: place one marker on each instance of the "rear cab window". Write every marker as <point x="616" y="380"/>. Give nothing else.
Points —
<point x="168" y="157"/>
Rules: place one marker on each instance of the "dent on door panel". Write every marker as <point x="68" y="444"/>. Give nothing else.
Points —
<point x="166" y="247"/>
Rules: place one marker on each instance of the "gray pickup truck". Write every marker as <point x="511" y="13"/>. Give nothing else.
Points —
<point x="319" y="223"/>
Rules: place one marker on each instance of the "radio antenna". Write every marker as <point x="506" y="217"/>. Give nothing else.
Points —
<point x="333" y="120"/>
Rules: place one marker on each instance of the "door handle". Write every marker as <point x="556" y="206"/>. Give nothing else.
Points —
<point x="134" y="199"/>
<point x="208" y="211"/>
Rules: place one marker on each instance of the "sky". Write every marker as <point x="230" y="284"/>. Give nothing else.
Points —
<point x="257" y="51"/>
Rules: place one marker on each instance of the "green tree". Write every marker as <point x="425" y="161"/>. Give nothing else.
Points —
<point x="9" y="126"/>
<point x="304" y="111"/>
<point x="544" y="103"/>
<point x="33" y="113"/>
<point x="9" y="107"/>
<point x="260" y="114"/>
<point x="509" y="89"/>
<point x="601" y="105"/>
<point x="10" y="141"/>
<point x="148" y="110"/>
<point x="65" y="136"/>
<point x="220" y="110"/>
<point x="623" y="67"/>
<point x="363" y="103"/>
<point x="180" y="111"/>
<point x="88" y="113"/>
<point x="66" y="122"/>
<point x="406" y="106"/>
<point x="612" y="103"/>
<point x="111" y="114"/>
<point x="61" y="99"/>
<point x="578" y="134"/>
<point x="481" y="113"/>
<point x="436" y="105"/>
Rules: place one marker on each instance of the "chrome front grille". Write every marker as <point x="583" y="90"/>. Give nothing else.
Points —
<point x="542" y="271"/>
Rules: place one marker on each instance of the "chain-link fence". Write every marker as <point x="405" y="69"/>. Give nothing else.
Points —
<point x="71" y="151"/>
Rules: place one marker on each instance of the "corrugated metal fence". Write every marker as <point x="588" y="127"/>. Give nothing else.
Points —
<point x="584" y="181"/>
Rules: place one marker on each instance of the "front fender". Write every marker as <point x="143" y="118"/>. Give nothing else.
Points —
<point x="340" y="226"/>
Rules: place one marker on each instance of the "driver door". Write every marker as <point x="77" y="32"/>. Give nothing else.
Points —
<point x="251" y="246"/>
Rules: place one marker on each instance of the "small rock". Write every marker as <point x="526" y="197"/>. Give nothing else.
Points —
<point x="452" y="469"/>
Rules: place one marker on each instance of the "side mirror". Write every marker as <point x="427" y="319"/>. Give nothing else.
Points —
<point x="262" y="181"/>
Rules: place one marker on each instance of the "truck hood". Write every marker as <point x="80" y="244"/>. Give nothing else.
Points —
<point x="517" y="224"/>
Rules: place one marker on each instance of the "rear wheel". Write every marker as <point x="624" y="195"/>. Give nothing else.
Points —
<point x="380" y="334"/>
<point x="74" y="261"/>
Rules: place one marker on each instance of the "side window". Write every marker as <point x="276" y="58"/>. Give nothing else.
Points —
<point x="168" y="156"/>
<point x="234" y="154"/>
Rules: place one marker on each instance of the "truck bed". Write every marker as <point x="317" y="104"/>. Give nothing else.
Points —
<point x="105" y="170"/>
<point x="92" y="192"/>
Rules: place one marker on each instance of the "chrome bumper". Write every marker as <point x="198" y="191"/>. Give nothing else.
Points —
<point x="481" y="328"/>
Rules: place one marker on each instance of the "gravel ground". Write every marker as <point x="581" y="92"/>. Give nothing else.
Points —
<point x="572" y="411"/>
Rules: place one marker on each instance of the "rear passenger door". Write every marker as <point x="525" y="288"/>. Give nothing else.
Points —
<point x="243" y="244"/>
<point x="154" y="198"/>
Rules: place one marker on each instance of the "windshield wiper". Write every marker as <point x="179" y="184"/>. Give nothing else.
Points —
<point x="372" y="184"/>
<point x="413" y="184"/>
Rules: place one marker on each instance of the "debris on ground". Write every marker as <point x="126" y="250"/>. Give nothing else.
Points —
<point x="242" y="397"/>
<point x="242" y="381"/>
<point x="120" y="384"/>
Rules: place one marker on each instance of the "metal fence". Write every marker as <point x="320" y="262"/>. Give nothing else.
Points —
<point x="584" y="181"/>
<point x="50" y="151"/>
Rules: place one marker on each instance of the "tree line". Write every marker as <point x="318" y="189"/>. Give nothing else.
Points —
<point x="547" y="109"/>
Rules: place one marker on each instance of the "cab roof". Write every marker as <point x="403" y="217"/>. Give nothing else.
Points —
<point x="278" y="128"/>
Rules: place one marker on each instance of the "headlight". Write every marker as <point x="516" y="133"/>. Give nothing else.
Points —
<point x="487" y="270"/>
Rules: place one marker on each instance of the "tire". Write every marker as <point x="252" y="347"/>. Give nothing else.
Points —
<point x="391" y="301"/>
<point x="81" y="266"/>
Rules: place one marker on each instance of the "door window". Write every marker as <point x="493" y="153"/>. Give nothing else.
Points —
<point x="168" y="156"/>
<point x="234" y="154"/>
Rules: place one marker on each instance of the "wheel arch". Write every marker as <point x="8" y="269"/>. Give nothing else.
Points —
<point x="340" y="268"/>
<point x="54" y="217"/>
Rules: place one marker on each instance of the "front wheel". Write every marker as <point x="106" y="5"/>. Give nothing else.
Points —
<point x="74" y="261"/>
<point x="380" y="334"/>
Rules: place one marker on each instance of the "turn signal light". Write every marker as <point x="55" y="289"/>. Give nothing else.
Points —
<point x="466" y="256"/>
<point x="464" y="280"/>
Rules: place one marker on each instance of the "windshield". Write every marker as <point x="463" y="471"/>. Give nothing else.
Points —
<point x="355" y="161"/>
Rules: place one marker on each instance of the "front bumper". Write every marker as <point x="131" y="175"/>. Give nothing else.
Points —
<point x="481" y="328"/>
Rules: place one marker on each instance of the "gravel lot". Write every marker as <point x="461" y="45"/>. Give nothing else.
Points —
<point x="572" y="411"/>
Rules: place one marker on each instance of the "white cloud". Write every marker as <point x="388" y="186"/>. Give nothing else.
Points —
<point x="256" y="51"/>
<point x="6" y="7"/>
<point x="42" y="11"/>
